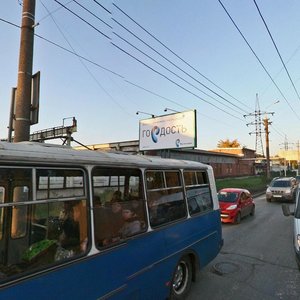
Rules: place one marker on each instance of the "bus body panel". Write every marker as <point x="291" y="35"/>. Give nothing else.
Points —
<point x="142" y="266"/>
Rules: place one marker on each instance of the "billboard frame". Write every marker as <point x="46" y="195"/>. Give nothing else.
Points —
<point x="171" y="131"/>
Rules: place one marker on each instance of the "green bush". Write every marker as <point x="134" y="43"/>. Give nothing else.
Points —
<point x="252" y="183"/>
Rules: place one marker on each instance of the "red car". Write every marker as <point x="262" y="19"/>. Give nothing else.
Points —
<point x="235" y="204"/>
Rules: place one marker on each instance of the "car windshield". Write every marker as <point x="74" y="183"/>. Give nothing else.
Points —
<point x="228" y="196"/>
<point x="280" y="183"/>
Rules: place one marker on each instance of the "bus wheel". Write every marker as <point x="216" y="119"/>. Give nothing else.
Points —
<point x="182" y="279"/>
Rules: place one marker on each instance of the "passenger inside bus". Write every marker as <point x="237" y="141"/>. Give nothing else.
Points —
<point x="108" y="221"/>
<point x="131" y="224"/>
<point x="73" y="239"/>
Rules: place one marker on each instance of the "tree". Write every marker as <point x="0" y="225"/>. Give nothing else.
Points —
<point x="229" y="144"/>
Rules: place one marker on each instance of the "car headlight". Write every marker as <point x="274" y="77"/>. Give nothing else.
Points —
<point x="298" y="241"/>
<point x="231" y="207"/>
<point x="287" y="191"/>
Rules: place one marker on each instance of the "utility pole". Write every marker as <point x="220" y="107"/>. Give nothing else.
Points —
<point x="258" y="140"/>
<point x="23" y="93"/>
<point x="266" y="124"/>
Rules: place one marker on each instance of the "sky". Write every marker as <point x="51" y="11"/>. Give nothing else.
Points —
<point x="102" y="61"/>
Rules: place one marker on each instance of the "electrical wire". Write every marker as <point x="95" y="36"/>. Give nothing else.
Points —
<point x="177" y="74"/>
<point x="172" y="101"/>
<point x="258" y="59"/>
<point x="172" y="64"/>
<point x="84" y="65"/>
<point x="119" y="47"/>
<point x="172" y="81"/>
<point x="52" y="12"/>
<point x="82" y="19"/>
<point x="180" y="58"/>
<point x="108" y="70"/>
<point x="127" y="52"/>
<point x="83" y="7"/>
<point x="102" y="6"/>
<point x="65" y="49"/>
<point x="273" y="41"/>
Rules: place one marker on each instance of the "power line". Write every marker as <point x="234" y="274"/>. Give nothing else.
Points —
<point x="96" y="64"/>
<point x="85" y="66"/>
<point x="181" y="59"/>
<point x="82" y="19"/>
<point x="258" y="59"/>
<point x="92" y="13"/>
<point x="173" y="65"/>
<point x="172" y="81"/>
<point x="65" y="49"/>
<point x="175" y="73"/>
<point x="277" y="49"/>
<point x="78" y="55"/>
<point x="169" y="100"/>
<point x="145" y="64"/>
<point x="10" y="23"/>
<point x="52" y="12"/>
<point x="102" y="6"/>
<point x="140" y="61"/>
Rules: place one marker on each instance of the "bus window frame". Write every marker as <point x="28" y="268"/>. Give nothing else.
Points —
<point x="142" y="197"/>
<point x="165" y="189"/>
<point x="30" y="204"/>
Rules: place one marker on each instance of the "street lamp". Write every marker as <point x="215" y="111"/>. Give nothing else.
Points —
<point x="141" y="112"/>
<point x="166" y="109"/>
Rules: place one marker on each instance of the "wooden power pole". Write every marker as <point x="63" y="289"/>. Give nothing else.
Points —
<point x="266" y="124"/>
<point x="23" y="93"/>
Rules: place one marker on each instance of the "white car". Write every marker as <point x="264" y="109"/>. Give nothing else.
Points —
<point x="296" y="213"/>
<point x="282" y="188"/>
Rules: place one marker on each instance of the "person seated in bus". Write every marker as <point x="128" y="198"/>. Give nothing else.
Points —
<point x="73" y="239"/>
<point x="97" y="202"/>
<point x="108" y="222"/>
<point x="116" y="197"/>
<point x="138" y="208"/>
<point x="132" y="224"/>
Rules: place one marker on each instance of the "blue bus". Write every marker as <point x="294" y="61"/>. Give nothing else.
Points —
<point x="97" y="225"/>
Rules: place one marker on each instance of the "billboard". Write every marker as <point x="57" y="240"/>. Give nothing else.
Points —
<point x="171" y="131"/>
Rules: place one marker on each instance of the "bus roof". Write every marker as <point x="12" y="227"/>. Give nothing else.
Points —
<point x="24" y="152"/>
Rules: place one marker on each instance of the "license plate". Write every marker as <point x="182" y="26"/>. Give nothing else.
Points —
<point x="277" y="196"/>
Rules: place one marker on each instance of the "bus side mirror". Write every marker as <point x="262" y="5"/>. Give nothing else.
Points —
<point x="286" y="210"/>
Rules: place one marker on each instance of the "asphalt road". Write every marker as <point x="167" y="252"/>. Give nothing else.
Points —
<point x="256" y="262"/>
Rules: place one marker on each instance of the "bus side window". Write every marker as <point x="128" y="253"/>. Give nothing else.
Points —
<point x="199" y="199"/>
<point x="166" y="203"/>
<point x="118" y="188"/>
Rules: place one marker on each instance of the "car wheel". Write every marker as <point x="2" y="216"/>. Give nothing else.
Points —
<point x="182" y="279"/>
<point x="237" y="218"/>
<point x="252" y="211"/>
